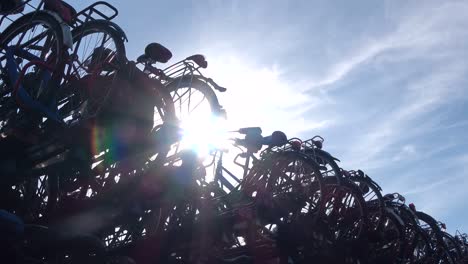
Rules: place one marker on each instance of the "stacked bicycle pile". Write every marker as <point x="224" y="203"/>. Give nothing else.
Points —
<point x="90" y="147"/>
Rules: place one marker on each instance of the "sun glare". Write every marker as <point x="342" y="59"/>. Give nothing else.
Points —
<point x="204" y="134"/>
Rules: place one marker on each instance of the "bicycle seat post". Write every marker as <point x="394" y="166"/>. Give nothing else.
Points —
<point x="219" y="168"/>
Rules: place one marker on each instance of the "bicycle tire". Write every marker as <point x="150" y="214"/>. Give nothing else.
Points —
<point x="323" y="245"/>
<point x="178" y="88"/>
<point x="437" y="237"/>
<point x="376" y="204"/>
<point x="351" y="242"/>
<point x="452" y="246"/>
<point x="323" y="159"/>
<point x="195" y="82"/>
<point x="331" y="181"/>
<point x="82" y="75"/>
<point x="421" y="243"/>
<point x="393" y="250"/>
<point x="280" y="180"/>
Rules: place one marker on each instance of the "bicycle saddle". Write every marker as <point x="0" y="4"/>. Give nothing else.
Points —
<point x="199" y="60"/>
<point x="156" y="52"/>
<point x="277" y="139"/>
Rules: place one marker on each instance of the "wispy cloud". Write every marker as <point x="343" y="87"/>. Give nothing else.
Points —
<point x="426" y="28"/>
<point x="406" y="151"/>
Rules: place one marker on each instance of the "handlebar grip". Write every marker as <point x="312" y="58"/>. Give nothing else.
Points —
<point x="142" y="58"/>
<point x="216" y="86"/>
<point x="277" y="139"/>
<point x="220" y="88"/>
<point x="250" y="130"/>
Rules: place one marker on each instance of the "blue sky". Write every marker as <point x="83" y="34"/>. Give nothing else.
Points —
<point x="384" y="82"/>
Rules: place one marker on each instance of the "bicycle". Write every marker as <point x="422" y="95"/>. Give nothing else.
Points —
<point x="55" y="146"/>
<point x="438" y="243"/>
<point x="416" y="243"/>
<point x="185" y="82"/>
<point x="456" y="252"/>
<point x="35" y="68"/>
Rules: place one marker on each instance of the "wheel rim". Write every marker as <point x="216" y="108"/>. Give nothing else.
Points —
<point x="90" y="73"/>
<point x="344" y="212"/>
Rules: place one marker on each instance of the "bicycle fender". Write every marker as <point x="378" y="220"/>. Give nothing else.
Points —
<point x="110" y="24"/>
<point x="326" y="154"/>
<point x="119" y="30"/>
<point x="66" y="32"/>
<point x="390" y="211"/>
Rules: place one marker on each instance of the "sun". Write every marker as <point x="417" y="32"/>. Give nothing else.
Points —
<point x="204" y="134"/>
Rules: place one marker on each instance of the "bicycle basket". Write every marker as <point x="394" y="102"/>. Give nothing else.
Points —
<point x="185" y="69"/>
<point x="296" y="144"/>
<point x="293" y="144"/>
<point x="315" y="142"/>
<point x="99" y="10"/>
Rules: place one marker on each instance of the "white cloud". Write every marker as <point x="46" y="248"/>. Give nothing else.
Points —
<point x="264" y="96"/>
<point x="406" y="152"/>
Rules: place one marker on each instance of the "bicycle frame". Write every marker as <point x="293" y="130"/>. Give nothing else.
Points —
<point x="220" y="169"/>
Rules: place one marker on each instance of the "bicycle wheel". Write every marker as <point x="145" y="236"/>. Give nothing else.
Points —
<point x="34" y="39"/>
<point x="98" y="54"/>
<point x="429" y="225"/>
<point x="344" y="210"/>
<point x="193" y="98"/>
<point x="339" y="233"/>
<point x="195" y="104"/>
<point x="453" y="247"/>
<point x="343" y="223"/>
<point x="374" y="201"/>
<point x="327" y="163"/>
<point x="421" y="250"/>
<point x="284" y="185"/>
<point x="417" y="249"/>
<point x="389" y="243"/>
